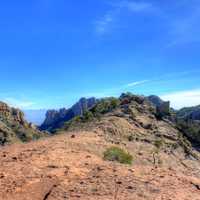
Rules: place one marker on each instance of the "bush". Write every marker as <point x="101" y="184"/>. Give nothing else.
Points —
<point x="131" y="138"/>
<point x="119" y="155"/>
<point x="87" y="116"/>
<point x="105" y="105"/>
<point x="159" y="143"/>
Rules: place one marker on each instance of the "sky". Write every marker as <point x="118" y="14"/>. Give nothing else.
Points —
<point x="52" y="52"/>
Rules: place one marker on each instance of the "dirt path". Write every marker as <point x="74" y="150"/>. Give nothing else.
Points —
<point x="65" y="167"/>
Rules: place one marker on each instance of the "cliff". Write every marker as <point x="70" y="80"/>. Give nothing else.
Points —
<point x="13" y="126"/>
<point x="56" y="118"/>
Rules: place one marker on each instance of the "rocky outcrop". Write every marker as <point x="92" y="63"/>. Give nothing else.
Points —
<point x="134" y="118"/>
<point x="55" y="119"/>
<point x="163" y="107"/>
<point x="13" y="126"/>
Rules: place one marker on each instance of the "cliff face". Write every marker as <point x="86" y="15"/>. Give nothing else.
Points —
<point x="55" y="119"/>
<point x="7" y="113"/>
<point x="13" y="126"/>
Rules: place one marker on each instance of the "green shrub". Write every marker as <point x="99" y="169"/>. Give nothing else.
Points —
<point x="105" y="105"/>
<point x="87" y="116"/>
<point x="114" y="102"/>
<point x="119" y="155"/>
<point x="159" y="143"/>
<point x="131" y="138"/>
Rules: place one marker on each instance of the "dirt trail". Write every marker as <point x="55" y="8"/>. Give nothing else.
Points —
<point x="65" y="167"/>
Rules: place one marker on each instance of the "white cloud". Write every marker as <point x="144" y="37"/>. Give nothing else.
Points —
<point x="134" y="6"/>
<point x="102" y="25"/>
<point x="136" y="83"/>
<point x="110" y="18"/>
<point x="182" y="99"/>
<point x="19" y="103"/>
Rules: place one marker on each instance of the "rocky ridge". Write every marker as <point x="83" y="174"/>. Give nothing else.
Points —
<point x="13" y="126"/>
<point x="56" y="118"/>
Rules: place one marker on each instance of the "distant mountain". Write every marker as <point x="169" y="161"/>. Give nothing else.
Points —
<point x="55" y="118"/>
<point x="192" y="113"/>
<point x="35" y="116"/>
<point x="188" y="120"/>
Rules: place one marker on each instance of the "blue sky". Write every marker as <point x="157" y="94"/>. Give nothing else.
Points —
<point x="52" y="52"/>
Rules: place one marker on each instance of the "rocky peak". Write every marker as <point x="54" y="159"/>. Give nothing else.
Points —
<point x="55" y="118"/>
<point x="8" y="113"/>
<point x="163" y="107"/>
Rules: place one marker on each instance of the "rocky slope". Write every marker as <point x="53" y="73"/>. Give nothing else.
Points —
<point x="13" y="126"/>
<point x="71" y="166"/>
<point x="55" y="119"/>
<point x="134" y="118"/>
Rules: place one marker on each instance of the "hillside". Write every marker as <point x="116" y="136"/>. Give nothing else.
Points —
<point x="71" y="166"/>
<point x="14" y="128"/>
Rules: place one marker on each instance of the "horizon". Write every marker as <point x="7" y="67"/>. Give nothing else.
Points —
<point x="54" y="52"/>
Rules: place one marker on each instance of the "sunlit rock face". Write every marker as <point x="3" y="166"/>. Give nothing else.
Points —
<point x="13" y="126"/>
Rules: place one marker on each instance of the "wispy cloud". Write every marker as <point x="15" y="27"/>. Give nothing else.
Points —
<point x="182" y="99"/>
<point x="134" y="6"/>
<point x="22" y="104"/>
<point x="154" y="86"/>
<point x="104" y="24"/>
<point x="136" y="83"/>
<point x="109" y="21"/>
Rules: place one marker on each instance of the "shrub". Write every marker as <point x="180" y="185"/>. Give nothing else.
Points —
<point x="105" y="105"/>
<point x="131" y="138"/>
<point x="159" y="143"/>
<point x="119" y="155"/>
<point x="114" y="103"/>
<point x="87" y="116"/>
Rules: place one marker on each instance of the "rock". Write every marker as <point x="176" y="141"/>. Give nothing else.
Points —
<point x="163" y="107"/>
<point x="13" y="126"/>
<point x="55" y="119"/>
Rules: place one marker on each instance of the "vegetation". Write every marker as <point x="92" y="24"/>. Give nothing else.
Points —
<point x="119" y="155"/>
<point x="159" y="143"/>
<point x="105" y="105"/>
<point x="131" y="138"/>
